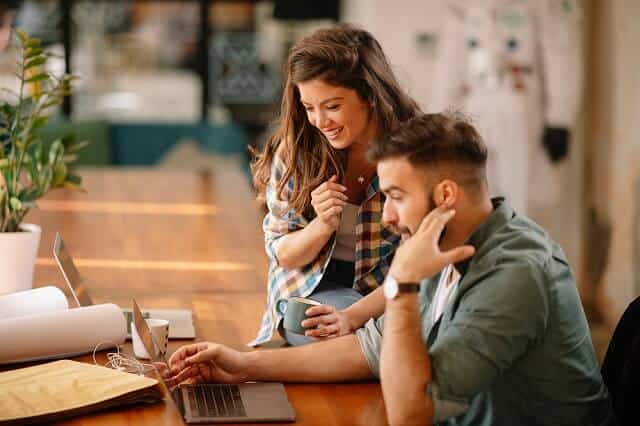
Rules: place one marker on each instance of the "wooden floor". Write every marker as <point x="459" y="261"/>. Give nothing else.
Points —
<point x="181" y="240"/>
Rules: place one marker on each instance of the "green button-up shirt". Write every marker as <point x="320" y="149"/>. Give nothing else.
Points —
<point x="512" y="346"/>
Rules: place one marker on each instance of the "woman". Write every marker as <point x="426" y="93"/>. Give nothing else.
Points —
<point x="323" y="231"/>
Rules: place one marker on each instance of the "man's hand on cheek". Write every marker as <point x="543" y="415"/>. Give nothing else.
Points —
<point x="420" y="257"/>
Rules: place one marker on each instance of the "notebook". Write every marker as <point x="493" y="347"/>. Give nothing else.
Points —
<point x="59" y="390"/>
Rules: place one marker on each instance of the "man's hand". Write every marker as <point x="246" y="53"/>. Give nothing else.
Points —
<point x="207" y="362"/>
<point x="420" y="256"/>
<point x="329" y="321"/>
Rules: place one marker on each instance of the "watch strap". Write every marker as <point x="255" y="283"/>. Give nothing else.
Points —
<point x="408" y="287"/>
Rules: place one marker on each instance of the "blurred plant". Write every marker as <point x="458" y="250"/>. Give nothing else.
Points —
<point x="29" y="167"/>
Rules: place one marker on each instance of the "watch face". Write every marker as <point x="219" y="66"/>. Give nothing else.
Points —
<point x="390" y="288"/>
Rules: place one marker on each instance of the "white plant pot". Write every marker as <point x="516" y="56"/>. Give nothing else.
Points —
<point x="18" y="252"/>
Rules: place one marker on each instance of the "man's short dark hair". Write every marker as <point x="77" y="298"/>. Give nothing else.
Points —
<point x="444" y="143"/>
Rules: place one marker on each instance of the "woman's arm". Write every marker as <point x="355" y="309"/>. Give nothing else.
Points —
<point x="301" y="247"/>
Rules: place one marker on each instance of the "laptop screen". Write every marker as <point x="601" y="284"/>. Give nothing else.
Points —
<point x="70" y="272"/>
<point x="147" y="338"/>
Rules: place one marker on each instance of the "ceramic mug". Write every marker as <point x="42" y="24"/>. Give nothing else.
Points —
<point x="293" y="312"/>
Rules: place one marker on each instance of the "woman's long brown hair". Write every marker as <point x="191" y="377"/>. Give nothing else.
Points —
<point x="344" y="56"/>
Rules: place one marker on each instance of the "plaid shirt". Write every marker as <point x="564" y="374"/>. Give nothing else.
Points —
<point x="375" y="246"/>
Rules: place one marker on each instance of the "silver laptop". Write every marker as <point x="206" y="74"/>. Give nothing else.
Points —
<point x="220" y="403"/>
<point x="180" y="320"/>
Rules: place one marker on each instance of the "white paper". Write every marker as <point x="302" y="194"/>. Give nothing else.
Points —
<point x="61" y="334"/>
<point x="36" y="301"/>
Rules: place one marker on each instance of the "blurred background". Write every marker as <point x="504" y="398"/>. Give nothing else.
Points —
<point x="554" y="86"/>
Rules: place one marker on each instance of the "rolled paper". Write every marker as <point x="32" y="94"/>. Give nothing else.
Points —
<point x="61" y="334"/>
<point x="30" y="302"/>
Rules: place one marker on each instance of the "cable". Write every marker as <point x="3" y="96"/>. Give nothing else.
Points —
<point x="121" y="362"/>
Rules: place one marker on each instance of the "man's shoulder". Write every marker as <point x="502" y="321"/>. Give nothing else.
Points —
<point x="520" y="243"/>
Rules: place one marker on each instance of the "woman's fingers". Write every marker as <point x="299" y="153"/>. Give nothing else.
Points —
<point x="329" y="185"/>
<point x="319" y="320"/>
<point x="320" y="310"/>
<point x="323" y="331"/>
<point x="333" y="211"/>
<point x="326" y="195"/>
<point x="329" y="203"/>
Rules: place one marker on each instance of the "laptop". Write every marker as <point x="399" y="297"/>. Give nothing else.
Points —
<point x="180" y="320"/>
<point x="219" y="403"/>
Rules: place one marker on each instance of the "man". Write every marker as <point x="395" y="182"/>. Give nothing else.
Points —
<point x="498" y="337"/>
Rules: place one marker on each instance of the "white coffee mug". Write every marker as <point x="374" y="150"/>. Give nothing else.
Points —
<point x="160" y="332"/>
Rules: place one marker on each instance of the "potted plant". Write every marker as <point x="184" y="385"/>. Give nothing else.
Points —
<point x="29" y="167"/>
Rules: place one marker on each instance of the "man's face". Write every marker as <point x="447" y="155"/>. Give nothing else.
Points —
<point x="409" y="199"/>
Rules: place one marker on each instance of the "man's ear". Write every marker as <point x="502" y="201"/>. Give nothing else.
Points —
<point x="446" y="193"/>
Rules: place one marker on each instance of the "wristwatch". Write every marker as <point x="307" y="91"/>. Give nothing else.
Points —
<point x="392" y="288"/>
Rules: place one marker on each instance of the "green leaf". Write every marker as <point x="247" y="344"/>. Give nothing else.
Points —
<point x="70" y="158"/>
<point x="59" y="174"/>
<point x="4" y="163"/>
<point x="8" y="110"/>
<point x="39" y="122"/>
<point x="39" y="77"/>
<point x="46" y="176"/>
<point x="54" y="55"/>
<point x="22" y="35"/>
<point x="74" y="179"/>
<point x="34" y="52"/>
<point x="15" y="203"/>
<point x="77" y="146"/>
<point x="56" y="151"/>
<point x="74" y="187"/>
<point x="28" y="196"/>
<point x="33" y="42"/>
<point x="35" y="62"/>
<point x="53" y="102"/>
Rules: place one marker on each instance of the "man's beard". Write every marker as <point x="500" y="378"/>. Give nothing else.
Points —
<point x="405" y="232"/>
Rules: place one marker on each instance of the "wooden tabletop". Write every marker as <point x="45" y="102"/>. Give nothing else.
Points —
<point x="176" y="239"/>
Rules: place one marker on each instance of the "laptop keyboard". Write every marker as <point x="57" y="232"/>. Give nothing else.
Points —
<point x="216" y="401"/>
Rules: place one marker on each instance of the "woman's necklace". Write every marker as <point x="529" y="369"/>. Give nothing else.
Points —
<point x="364" y="176"/>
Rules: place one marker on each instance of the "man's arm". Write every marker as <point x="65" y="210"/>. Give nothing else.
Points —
<point x="405" y="365"/>
<point x="335" y="360"/>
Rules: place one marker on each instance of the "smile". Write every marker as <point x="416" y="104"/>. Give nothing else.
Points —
<point x="332" y="134"/>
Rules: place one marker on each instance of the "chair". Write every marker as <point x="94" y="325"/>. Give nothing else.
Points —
<point x="621" y="366"/>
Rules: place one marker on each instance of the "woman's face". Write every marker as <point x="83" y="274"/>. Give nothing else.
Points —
<point x="338" y="112"/>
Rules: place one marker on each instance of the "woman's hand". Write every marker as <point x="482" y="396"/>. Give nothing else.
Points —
<point x="207" y="362"/>
<point x="326" y="322"/>
<point x="327" y="200"/>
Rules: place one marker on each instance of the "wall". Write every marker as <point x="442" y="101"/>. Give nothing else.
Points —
<point x="401" y="27"/>
<point x="615" y="145"/>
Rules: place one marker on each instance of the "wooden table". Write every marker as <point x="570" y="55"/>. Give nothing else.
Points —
<point x="175" y="239"/>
